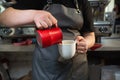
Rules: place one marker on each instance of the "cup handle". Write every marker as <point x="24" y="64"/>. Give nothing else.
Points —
<point x="76" y="44"/>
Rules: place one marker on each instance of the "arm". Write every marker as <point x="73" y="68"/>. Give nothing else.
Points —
<point x="12" y="17"/>
<point x="86" y="42"/>
<point x="90" y="39"/>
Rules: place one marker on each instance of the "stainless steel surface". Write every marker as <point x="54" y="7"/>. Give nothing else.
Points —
<point x="28" y="31"/>
<point x="21" y="31"/>
<point x="117" y="29"/>
<point x="110" y="16"/>
<point x="109" y="45"/>
<point x="102" y="28"/>
<point x="102" y="23"/>
<point x="6" y="31"/>
<point x="6" y="3"/>
<point x="98" y="8"/>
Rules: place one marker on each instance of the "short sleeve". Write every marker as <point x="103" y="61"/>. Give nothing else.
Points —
<point x="29" y="4"/>
<point x="87" y="16"/>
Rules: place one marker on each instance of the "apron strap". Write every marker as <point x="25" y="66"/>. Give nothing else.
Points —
<point x="75" y="1"/>
<point x="49" y="1"/>
<point x="77" y="6"/>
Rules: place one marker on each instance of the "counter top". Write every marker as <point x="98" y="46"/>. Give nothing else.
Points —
<point x="13" y="48"/>
<point x="108" y="44"/>
<point x="107" y="48"/>
<point x="30" y="48"/>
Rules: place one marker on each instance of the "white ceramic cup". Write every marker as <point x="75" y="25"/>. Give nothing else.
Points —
<point x="67" y="48"/>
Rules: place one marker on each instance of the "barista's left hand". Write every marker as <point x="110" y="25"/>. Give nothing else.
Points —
<point x="82" y="46"/>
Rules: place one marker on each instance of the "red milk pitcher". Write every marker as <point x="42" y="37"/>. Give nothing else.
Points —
<point x="49" y="36"/>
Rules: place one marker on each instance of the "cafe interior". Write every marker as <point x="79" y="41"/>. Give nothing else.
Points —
<point x="17" y="45"/>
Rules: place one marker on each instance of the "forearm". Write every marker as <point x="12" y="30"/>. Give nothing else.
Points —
<point x="90" y="39"/>
<point x="12" y="17"/>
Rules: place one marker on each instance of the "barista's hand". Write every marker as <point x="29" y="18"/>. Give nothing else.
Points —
<point x="82" y="46"/>
<point x="44" y="19"/>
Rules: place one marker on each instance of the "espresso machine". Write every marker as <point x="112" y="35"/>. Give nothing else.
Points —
<point x="102" y="27"/>
<point x="9" y="33"/>
<point x="4" y="30"/>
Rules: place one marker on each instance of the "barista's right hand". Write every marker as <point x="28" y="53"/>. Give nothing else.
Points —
<point x="44" y="19"/>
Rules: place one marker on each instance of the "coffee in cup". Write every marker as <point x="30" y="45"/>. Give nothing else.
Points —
<point x="67" y="48"/>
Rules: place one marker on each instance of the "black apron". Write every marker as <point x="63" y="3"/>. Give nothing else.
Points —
<point x="46" y="65"/>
